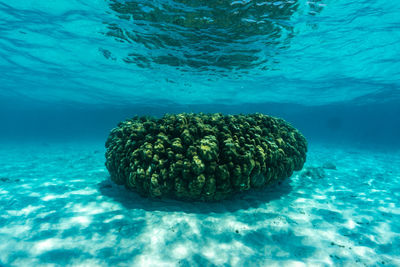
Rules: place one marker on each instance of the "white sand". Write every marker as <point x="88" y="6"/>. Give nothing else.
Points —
<point x="59" y="209"/>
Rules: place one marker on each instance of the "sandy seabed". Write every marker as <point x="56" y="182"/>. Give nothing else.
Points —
<point x="60" y="209"/>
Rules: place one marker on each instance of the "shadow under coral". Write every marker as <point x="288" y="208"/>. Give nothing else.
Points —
<point x="252" y="198"/>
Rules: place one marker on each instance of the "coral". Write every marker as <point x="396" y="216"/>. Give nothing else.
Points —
<point x="203" y="157"/>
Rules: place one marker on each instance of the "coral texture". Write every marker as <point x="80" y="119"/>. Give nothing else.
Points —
<point x="203" y="156"/>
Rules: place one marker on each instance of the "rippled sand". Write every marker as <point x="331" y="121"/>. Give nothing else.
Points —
<point x="59" y="208"/>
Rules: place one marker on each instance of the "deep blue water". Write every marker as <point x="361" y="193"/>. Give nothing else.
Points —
<point x="76" y="68"/>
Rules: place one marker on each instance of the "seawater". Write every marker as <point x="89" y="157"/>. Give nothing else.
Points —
<point x="71" y="70"/>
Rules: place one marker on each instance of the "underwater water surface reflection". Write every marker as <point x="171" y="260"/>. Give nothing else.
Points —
<point x="204" y="35"/>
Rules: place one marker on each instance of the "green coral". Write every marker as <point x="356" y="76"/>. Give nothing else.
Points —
<point x="203" y="156"/>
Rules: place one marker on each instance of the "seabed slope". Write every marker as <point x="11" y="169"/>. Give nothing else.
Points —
<point x="59" y="208"/>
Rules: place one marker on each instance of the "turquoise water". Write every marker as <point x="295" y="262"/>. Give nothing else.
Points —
<point x="71" y="70"/>
<point x="165" y="52"/>
<point x="329" y="67"/>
